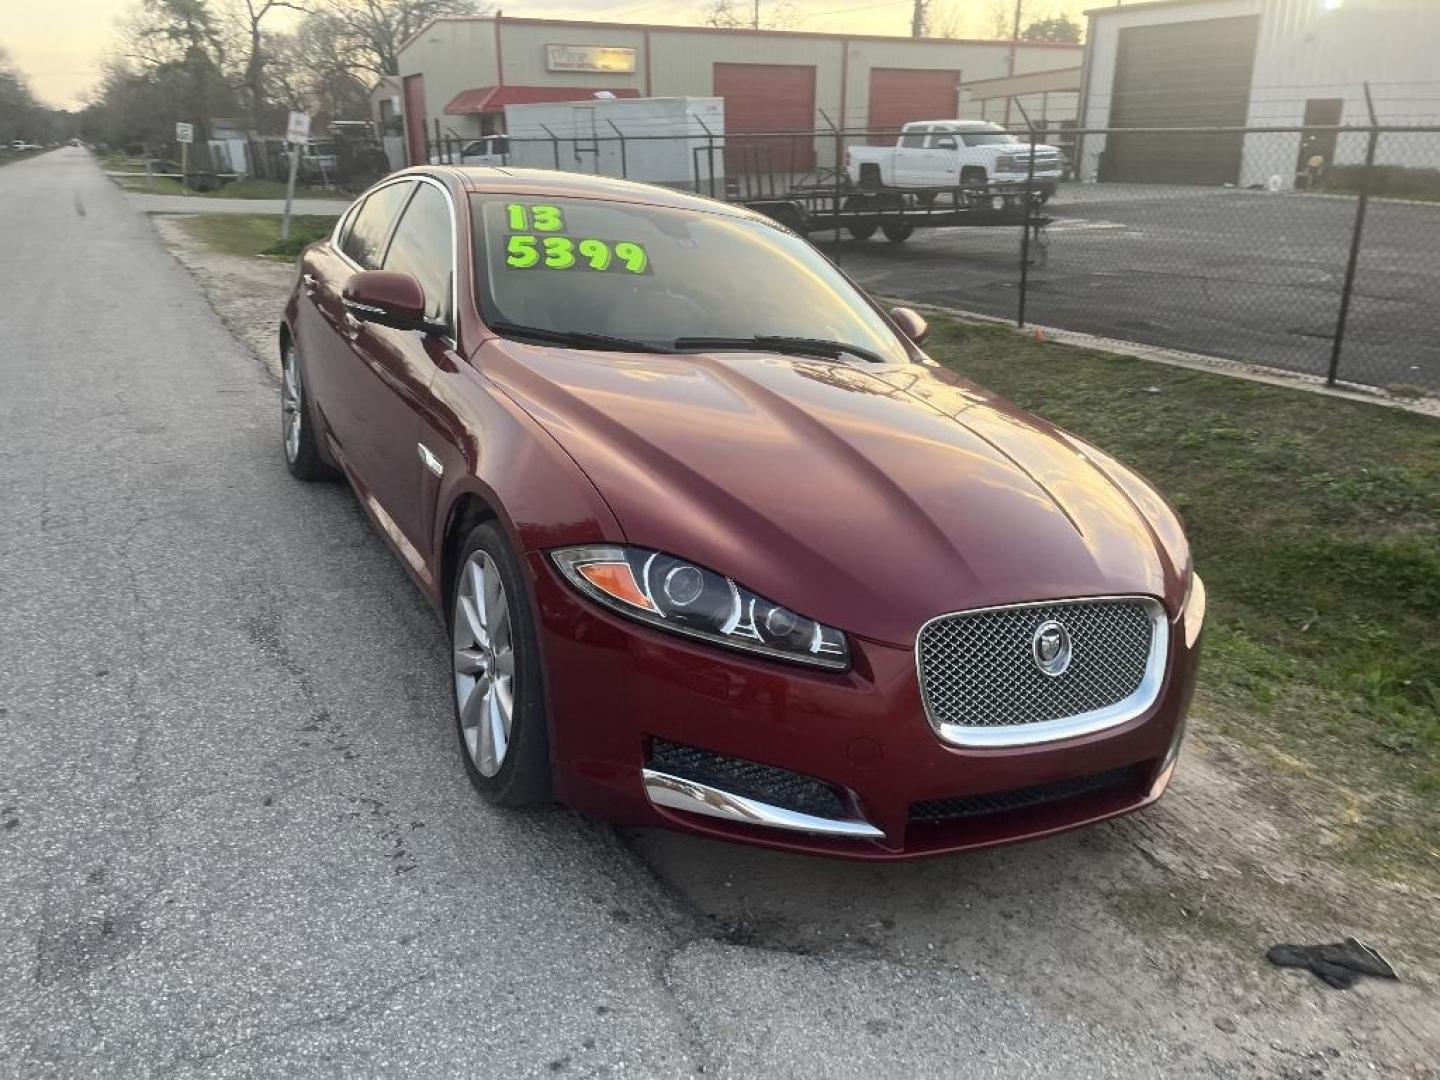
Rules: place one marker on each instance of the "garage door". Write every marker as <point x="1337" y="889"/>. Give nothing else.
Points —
<point x="767" y="97"/>
<point x="1188" y="74"/>
<point x="899" y="95"/>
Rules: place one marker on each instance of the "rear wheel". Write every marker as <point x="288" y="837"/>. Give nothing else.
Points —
<point x="897" y="232"/>
<point x="499" y="699"/>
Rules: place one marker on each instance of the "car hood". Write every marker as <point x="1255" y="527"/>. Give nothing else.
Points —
<point x="869" y="498"/>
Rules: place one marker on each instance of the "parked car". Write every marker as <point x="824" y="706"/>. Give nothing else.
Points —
<point x="969" y="154"/>
<point x="318" y="162"/>
<point x="718" y="546"/>
<point x="20" y="145"/>
<point x="491" y="150"/>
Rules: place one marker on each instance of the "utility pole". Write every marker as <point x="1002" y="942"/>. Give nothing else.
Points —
<point x="755" y="22"/>
<point x="1014" y="44"/>
<point x="917" y="19"/>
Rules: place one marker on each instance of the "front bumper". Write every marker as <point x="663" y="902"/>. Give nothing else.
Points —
<point x="614" y="688"/>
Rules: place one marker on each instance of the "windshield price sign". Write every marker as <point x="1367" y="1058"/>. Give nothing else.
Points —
<point x="524" y="250"/>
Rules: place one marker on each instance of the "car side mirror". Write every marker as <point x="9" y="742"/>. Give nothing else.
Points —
<point x="389" y="299"/>
<point x="911" y="324"/>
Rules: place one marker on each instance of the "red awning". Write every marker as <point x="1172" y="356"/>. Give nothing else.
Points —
<point x="493" y="99"/>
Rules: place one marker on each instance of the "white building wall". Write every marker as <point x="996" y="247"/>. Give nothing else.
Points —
<point x="1306" y="49"/>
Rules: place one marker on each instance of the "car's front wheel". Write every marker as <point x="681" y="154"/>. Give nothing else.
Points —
<point x="302" y="451"/>
<point x="499" y="697"/>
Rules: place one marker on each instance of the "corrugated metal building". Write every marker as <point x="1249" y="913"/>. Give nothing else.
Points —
<point x="461" y="72"/>
<point x="1256" y="63"/>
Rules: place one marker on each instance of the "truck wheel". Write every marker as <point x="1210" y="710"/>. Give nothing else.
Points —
<point x="870" y="176"/>
<point x="862" y="231"/>
<point x="974" y="176"/>
<point x="861" y="228"/>
<point x="897" y="232"/>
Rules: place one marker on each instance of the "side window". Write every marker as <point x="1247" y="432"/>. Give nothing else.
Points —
<point x="473" y="148"/>
<point x="365" y="242"/>
<point x="913" y="140"/>
<point x="423" y="248"/>
<point x="343" y="236"/>
<point x="500" y="145"/>
<point x="942" y="140"/>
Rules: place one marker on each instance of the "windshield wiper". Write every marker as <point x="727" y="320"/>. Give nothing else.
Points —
<point x="801" y="346"/>
<point x="575" y="339"/>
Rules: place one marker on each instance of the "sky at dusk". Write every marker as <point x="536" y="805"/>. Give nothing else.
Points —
<point x="58" y="43"/>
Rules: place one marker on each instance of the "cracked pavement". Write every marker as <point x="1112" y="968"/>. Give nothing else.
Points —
<point x="236" y="838"/>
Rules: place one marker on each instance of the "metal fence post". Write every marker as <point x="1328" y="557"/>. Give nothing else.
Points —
<point x="839" y="173"/>
<point x="1362" y="204"/>
<point x="624" y="167"/>
<point x="1025" y="225"/>
<point x="554" y="143"/>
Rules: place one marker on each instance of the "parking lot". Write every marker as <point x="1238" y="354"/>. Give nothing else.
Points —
<point x="1243" y="275"/>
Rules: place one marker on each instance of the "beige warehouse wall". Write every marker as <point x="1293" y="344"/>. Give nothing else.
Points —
<point x="453" y="55"/>
<point x="460" y="54"/>
<point x="523" y="46"/>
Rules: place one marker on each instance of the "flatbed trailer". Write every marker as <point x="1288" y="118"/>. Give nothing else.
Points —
<point x="897" y="213"/>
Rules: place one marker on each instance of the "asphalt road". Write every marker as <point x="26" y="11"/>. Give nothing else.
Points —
<point x="1243" y="275"/>
<point x="235" y="835"/>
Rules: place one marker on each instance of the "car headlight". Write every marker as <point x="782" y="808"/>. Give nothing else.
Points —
<point x="1192" y="610"/>
<point x="673" y="594"/>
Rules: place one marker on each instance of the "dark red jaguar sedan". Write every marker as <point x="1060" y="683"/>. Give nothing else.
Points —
<point x="718" y="546"/>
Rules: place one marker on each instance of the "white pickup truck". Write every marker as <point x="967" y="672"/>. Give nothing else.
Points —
<point x="971" y="154"/>
<point x="490" y="150"/>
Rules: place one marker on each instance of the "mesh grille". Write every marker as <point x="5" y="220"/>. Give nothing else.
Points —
<point x="998" y="802"/>
<point x="977" y="669"/>
<point x="778" y="787"/>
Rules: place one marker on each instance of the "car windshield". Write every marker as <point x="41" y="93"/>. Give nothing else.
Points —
<point x="989" y="138"/>
<point x="653" y="275"/>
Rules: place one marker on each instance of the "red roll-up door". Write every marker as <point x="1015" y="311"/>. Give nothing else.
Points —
<point x="767" y="97"/>
<point x="414" y="86"/>
<point x="900" y="95"/>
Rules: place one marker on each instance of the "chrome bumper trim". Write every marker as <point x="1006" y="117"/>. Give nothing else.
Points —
<point x="678" y="793"/>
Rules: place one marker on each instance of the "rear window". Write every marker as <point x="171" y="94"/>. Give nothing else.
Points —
<point x="654" y="274"/>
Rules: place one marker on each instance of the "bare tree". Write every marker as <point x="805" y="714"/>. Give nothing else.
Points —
<point x="372" y="31"/>
<point x="250" y="16"/>
<point x="732" y="14"/>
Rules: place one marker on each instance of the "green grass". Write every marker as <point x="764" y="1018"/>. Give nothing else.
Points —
<point x="236" y="189"/>
<point x="1316" y="525"/>
<point x="9" y="157"/>
<point x="258" y="234"/>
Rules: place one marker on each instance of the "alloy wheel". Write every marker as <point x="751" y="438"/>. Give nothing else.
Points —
<point x="291" y="408"/>
<point x="484" y="652"/>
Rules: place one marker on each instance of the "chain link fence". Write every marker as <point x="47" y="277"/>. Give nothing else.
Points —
<point x="1318" y="257"/>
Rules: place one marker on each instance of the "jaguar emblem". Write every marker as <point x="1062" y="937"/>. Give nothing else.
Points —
<point x="1050" y="646"/>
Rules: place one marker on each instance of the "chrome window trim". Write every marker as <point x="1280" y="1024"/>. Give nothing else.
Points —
<point x="452" y="339"/>
<point x="678" y="793"/>
<point x="1065" y="727"/>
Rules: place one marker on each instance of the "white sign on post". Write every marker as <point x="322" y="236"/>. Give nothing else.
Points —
<point x="297" y="134"/>
<point x="297" y="131"/>
<point x="184" y="133"/>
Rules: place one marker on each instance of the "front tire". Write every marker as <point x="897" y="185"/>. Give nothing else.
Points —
<point x="297" y="431"/>
<point x="498" y="690"/>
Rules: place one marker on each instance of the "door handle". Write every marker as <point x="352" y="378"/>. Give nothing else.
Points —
<point x="352" y="326"/>
<point x="311" y="282"/>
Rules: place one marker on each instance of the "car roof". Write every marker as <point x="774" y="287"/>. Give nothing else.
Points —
<point x="956" y="125"/>
<point x="549" y="183"/>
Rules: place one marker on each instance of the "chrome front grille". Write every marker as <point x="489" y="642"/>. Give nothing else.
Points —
<point x="983" y="686"/>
